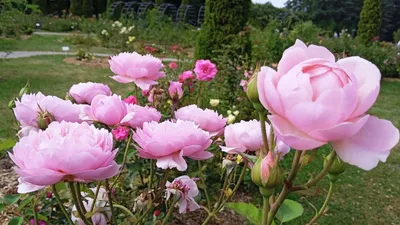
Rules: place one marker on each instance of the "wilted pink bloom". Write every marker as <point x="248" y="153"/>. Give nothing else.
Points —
<point x="246" y="135"/>
<point x="140" y="115"/>
<point x="83" y="93"/>
<point x="185" y="76"/>
<point x="175" y="90"/>
<point x="28" y="109"/>
<point x="173" y="65"/>
<point x="184" y="189"/>
<point x="315" y="100"/>
<point x="206" y="119"/>
<point x="130" y="100"/>
<point x="205" y="70"/>
<point x="64" y="152"/>
<point x="120" y="133"/>
<point x="144" y="70"/>
<point x="169" y="142"/>
<point x="109" y="110"/>
<point x="102" y="215"/>
<point x="243" y="83"/>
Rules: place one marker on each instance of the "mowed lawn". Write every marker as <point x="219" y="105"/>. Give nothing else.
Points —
<point x="360" y="197"/>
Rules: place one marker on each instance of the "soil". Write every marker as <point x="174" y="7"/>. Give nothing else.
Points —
<point x="8" y="185"/>
<point x="100" y="62"/>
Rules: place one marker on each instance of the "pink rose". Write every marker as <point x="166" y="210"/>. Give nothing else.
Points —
<point x="205" y="70"/>
<point x="206" y="119"/>
<point x="130" y="100"/>
<point x="143" y="70"/>
<point x="64" y="152"/>
<point x="175" y="90"/>
<point x="246" y="135"/>
<point x="315" y="100"/>
<point x="120" y="133"/>
<point x="83" y="93"/>
<point x="140" y="115"/>
<point x="173" y="65"/>
<point x="184" y="189"/>
<point x="185" y="76"/>
<point x="169" y="142"/>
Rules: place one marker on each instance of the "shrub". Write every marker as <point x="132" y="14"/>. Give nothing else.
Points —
<point x="76" y="7"/>
<point x="306" y="31"/>
<point x="87" y="8"/>
<point x="370" y="20"/>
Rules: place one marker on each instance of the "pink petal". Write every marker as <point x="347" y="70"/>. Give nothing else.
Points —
<point x="267" y="92"/>
<point x="145" y="84"/>
<point x="98" y="174"/>
<point x="292" y="136"/>
<point x="292" y="56"/>
<point x="25" y="187"/>
<point x="370" y="145"/>
<point x="137" y="72"/>
<point x="201" y="155"/>
<point x="314" y="51"/>
<point x="172" y="161"/>
<point x="123" y="79"/>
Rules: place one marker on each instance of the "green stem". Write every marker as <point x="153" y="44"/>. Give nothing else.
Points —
<point x="261" y="115"/>
<point x="35" y="214"/>
<point x="265" y="210"/>
<point x="221" y="196"/>
<point x="286" y="188"/>
<point x="76" y="202"/>
<point x="150" y="185"/>
<point x="108" y="189"/>
<point x="144" y="215"/>
<point x="322" y="210"/>
<point x="323" y="172"/>
<point x="61" y="205"/>
<point x="95" y="196"/>
<point x="80" y="200"/>
<point x="169" y="213"/>
<point x="198" y="99"/>
<point x="203" y="180"/>
<point x="125" y="210"/>
<point x="123" y="161"/>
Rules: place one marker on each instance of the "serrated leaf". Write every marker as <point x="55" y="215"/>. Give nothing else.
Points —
<point x="25" y="202"/>
<point x="16" y="221"/>
<point x="289" y="210"/>
<point x="249" y="211"/>
<point x="11" y="199"/>
<point x="6" y="144"/>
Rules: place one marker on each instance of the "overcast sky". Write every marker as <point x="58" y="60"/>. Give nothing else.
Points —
<point x="276" y="3"/>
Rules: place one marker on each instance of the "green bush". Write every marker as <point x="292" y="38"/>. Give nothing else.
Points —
<point x="87" y="8"/>
<point x="76" y="7"/>
<point x="305" y="31"/>
<point x="370" y="21"/>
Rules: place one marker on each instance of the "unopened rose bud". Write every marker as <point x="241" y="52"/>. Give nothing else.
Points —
<point x="49" y="194"/>
<point x="231" y="119"/>
<point x="266" y="173"/>
<point x="337" y="168"/>
<point x="11" y="104"/>
<point x="130" y="100"/>
<point x="252" y="92"/>
<point x="44" y="119"/>
<point x="25" y="90"/>
<point x="120" y="133"/>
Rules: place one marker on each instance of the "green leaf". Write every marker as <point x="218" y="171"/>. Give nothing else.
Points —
<point x="25" y="202"/>
<point x="289" y="210"/>
<point x="2" y="206"/>
<point x="249" y="211"/>
<point x="11" y="199"/>
<point x="6" y="144"/>
<point x="16" y="221"/>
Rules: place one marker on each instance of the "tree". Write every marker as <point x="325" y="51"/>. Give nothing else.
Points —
<point x="370" y="20"/>
<point x="224" y="20"/>
<point x="76" y="7"/>
<point x="87" y="8"/>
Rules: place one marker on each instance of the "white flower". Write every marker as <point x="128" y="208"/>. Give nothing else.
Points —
<point x="231" y="119"/>
<point x="131" y="28"/>
<point x="236" y="113"/>
<point x="123" y="30"/>
<point x="117" y="24"/>
<point x="214" y="102"/>
<point x="229" y="112"/>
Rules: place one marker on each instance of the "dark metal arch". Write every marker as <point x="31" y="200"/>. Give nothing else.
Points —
<point x="200" y="15"/>
<point x="144" y="6"/>
<point x="114" y="8"/>
<point x="187" y="13"/>
<point x="167" y="9"/>
<point x="130" y="8"/>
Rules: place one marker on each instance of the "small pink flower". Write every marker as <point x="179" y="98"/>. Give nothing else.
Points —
<point x="205" y="70"/>
<point x="174" y="48"/>
<point x="173" y="65"/>
<point x="130" y="100"/>
<point x="185" y="76"/>
<point x="143" y="70"/>
<point x="206" y="119"/>
<point x="64" y="152"/>
<point x="185" y="189"/>
<point x="83" y="93"/>
<point x="140" y="115"/>
<point x="175" y="90"/>
<point x="120" y="133"/>
<point x="169" y="142"/>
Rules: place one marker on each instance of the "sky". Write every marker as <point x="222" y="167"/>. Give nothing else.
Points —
<point x="276" y="3"/>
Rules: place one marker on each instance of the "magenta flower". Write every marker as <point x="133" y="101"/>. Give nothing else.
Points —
<point x="175" y="90"/>
<point x="184" y="189"/>
<point x="246" y="135"/>
<point x="206" y="119"/>
<point x="169" y="142"/>
<point x="120" y="133"/>
<point x="64" y="152"/>
<point x="130" y="100"/>
<point x="143" y="70"/>
<point x="205" y="70"/>
<point x="185" y="76"/>
<point x="140" y="115"/>
<point x="315" y="100"/>
<point x="83" y="93"/>
<point x="173" y="65"/>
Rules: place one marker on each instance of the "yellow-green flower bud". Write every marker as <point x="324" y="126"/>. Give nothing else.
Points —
<point x="25" y="90"/>
<point x="337" y="168"/>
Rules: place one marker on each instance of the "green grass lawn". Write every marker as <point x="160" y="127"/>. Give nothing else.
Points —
<point x="359" y="197"/>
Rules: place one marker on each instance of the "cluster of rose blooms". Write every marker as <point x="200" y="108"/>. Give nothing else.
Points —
<point x="312" y="100"/>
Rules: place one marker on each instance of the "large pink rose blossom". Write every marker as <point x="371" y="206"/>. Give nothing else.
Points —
<point x="206" y="119"/>
<point x="140" y="115"/>
<point x="83" y="93"/>
<point x="205" y="70"/>
<point x="64" y="152"/>
<point x="169" y="142"/>
<point x="175" y="90"/>
<point x="315" y="100"/>
<point x="246" y="135"/>
<point x="144" y="70"/>
<point x="185" y="189"/>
